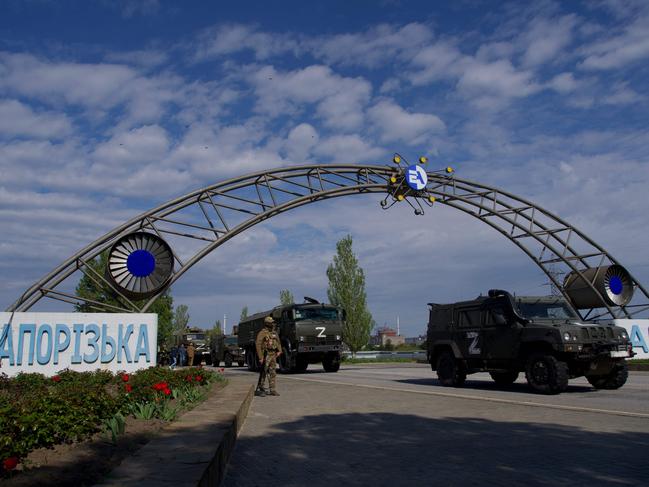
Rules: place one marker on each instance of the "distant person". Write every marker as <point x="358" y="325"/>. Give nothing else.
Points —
<point x="174" y="356"/>
<point x="182" y="355"/>
<point x="268" y="349"/>
<point x="191" y="351"/>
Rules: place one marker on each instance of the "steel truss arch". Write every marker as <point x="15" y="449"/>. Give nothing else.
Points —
<point x="219" y="212"/>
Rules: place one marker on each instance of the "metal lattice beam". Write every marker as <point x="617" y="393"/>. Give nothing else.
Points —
<point x="213" y="215"/>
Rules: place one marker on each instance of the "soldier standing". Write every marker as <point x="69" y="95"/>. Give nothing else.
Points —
<point x="190" y="353"/>
<point x="268" y="349"/>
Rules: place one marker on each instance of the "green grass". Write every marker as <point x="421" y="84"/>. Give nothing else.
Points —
<point x="639" y="361"/>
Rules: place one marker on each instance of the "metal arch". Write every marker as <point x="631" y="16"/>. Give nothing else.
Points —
<point x="219" y="212"/>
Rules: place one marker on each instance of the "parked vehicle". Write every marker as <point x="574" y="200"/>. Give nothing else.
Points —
<point x="540" y="336"/>
<point x="226" y="349"/>
<point x="309" y="333"/>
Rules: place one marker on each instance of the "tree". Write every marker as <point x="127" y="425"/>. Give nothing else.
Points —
<point x="91" y="286"/>
<point x="347" y="290"/>
<point x="215" y="331"/>
<point x="181" y="319"/>
<point x="286" y="297"/>
<point x="244" y="314"/>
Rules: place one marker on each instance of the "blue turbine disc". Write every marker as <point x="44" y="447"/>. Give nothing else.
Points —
<point x="141" y="263"/>
<point x="615" y="285"/>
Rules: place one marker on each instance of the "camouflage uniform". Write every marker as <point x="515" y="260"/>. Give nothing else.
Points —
<point x="268" y="342"/>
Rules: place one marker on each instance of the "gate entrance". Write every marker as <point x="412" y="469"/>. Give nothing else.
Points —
<point x="142" y="264"/>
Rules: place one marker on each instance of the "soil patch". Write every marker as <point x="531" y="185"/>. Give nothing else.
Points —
<point x="87" y="462"/>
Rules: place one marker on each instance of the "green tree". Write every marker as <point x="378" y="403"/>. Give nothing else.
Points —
<point x="244" y="314"/>
<point x="286" y="297"/>
<point x="91" y="286"/>
<point x="347" y="290"/>
<point x="215" y="331"/>
<point x="181" y="318"/>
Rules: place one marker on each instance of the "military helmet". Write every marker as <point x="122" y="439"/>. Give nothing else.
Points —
<point x="269" y="321"/>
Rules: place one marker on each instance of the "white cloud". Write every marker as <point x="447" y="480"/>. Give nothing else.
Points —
<point x="563" y="83"/>
<point x="18" y="119"/>
<point x="349" y="149"/>
<point x="546" y="38"/>
<point x="340" y="100"/>
<point x="629" y="46"/>
<point x="301" y="140"/>
<point x="396" y="124"/>
<point x="622" y="94"/>
<point x="373" y="47"/>
<point x="137" y="147"/>
<point x="228" y="39"/>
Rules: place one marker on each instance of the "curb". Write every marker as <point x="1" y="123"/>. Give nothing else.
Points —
<point x="192" y="451"/>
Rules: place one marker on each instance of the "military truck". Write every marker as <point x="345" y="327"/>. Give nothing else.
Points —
<point x="198" y="337"/>
<point x="309" y="333"/>
<point x="543" y="337"/>
<point x="225" y="348"/>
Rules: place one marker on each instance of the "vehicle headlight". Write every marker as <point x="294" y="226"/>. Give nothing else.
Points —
<point x="624" y="336"/>
<point x="337" y="338"/>
<point x="566" y="336"/>
<point x="301" y="339"/>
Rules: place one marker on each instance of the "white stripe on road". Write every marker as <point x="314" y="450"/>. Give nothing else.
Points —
<point x="478" y="398"/>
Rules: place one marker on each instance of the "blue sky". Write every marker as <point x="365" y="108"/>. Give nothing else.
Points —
<point x="111" y="108"/>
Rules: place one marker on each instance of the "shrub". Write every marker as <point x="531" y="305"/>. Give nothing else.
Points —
<point x="38" y="411"/>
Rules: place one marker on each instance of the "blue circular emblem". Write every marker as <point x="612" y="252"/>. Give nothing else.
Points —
<point x="615" y="285"/>
<point x="416" y="177"/>
<point x="140" y="263"/>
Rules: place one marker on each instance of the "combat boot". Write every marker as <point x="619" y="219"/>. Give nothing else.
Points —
<point x="273" y="393"/>
<point x="260" y="393"/>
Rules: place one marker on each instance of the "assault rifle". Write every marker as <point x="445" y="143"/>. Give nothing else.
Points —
<point x="262" y="376"/>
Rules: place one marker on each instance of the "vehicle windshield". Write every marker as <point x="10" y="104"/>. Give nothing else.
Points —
<point x="316" y="314"/>
<point x="195" y="336"/>
<point x="553" y="310"/>
<point x="231" y="341"/>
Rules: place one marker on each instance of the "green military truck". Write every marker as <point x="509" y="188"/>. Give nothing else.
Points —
<point x="309" y="333"/>
<point x="540" y="336"/>
<point x="198" y="337"/>
<point x="225" y="348"/>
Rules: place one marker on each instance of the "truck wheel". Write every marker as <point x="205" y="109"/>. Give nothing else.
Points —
<point x="546" y="374"/>
<point x="504" y="378"/>
<point x="450" y="372"/>
<point x="613" y="380"/>
<point x="251" y="359"/>
<point x="331" y="363"/>
<point x="228" y="360"/>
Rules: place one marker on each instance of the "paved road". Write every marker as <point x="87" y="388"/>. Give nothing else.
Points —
<point x="385" y="425"/>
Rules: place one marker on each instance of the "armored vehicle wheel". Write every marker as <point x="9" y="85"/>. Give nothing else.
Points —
<point x="450" y="372"/>
<point x="251" y="360"/>
<point x="613" y="380"/>
<point x="504" y="378"/>
<point x="228" y="360"/>
<point x="331" y="363"/>
<point x="215" y="361"/>
<point x="546" y="374"/>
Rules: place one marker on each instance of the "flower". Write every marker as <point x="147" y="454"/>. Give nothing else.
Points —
<point x="167" y="391"/>
<point x="125" y="377"/>
<point x="188" y="378"/>
<point x="55" y="378"/>
<point x="10" y="463"/>
<point x="128" y="387"/>
<point x="198" y="378"/>
<point x="160" y="386"/>
<point x="221" y="370"/>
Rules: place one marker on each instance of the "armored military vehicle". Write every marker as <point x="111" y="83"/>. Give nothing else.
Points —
<point x="540" y="336"/>
<point x="309" y="333"/>
<point x="225" y="348"/>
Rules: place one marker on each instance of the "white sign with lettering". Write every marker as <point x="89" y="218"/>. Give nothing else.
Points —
<point x="50" y="342"/>
<point x="638" y="331"/>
